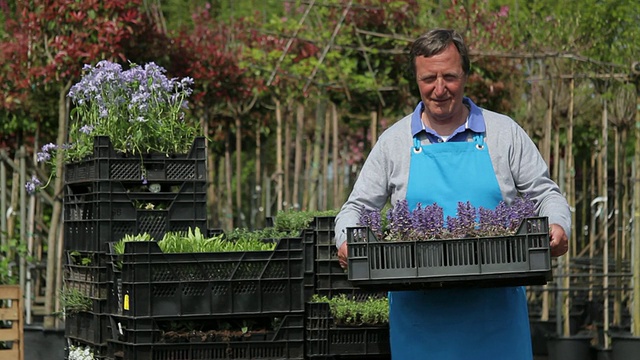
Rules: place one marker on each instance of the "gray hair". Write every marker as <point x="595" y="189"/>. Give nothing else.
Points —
<point x="434" y="42"/>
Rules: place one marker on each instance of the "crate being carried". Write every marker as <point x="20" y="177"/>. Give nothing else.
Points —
<point x="521" y="259"/>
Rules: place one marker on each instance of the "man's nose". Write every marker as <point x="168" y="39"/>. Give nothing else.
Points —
<point x="440" y="86"/>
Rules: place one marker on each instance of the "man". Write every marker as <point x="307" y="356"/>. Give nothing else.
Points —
<point x="448" y="151"/>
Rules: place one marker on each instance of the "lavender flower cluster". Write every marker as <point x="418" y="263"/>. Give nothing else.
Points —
<point x="140" y="110"/>
<point x="428" y="222"/>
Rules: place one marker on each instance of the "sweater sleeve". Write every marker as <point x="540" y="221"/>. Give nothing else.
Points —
<point x="520" y="169"/>
<point x="370" y="191"/>
<point x="383" y="177"/>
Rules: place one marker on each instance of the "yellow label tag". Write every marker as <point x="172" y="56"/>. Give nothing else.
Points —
<point x="125" y="305"/>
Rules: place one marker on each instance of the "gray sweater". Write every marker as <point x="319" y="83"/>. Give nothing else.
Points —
<point x="518" y="165"/>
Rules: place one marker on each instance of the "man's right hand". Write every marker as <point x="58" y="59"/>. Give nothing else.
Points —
<point x="342" y="255"/>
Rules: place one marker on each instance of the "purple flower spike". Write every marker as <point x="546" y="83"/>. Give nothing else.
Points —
<point x="32" y="185"/>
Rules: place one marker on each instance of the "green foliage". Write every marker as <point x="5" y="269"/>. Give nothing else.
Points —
<point x="245" y="236"/>
<point x="193" y="241"/>
<point x="73" y="301"/>
<point x="9" y="255"/>
<point x="77" y="258"/>
<point x="349" y="312"/>
<point x="293" y="220"/>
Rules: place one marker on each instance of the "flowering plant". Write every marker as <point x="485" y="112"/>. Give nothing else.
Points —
<point x="139" y="109"/>
<point x="428" y="223"/>
<point x="80" y="353"/>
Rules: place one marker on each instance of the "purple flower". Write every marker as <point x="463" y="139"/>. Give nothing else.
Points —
<point x="399" y="221"/>
<point x="465" y="221"/>
<point x="32" y="185"/>
<point x="48" y="147"/>
<point x="427" y="222"/>
<point x="144" y="180"/>
<point x="372" y="219"/>
<point x="87" y="129"/>
<point x="42" y="156"/>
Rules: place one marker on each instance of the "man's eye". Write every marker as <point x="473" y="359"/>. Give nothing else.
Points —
<point x="450" y="78"/>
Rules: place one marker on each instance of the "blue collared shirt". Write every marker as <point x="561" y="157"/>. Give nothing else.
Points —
<point x="475" y="123"/>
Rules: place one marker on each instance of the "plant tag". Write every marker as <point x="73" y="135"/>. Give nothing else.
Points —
<point x="125" y="304"/>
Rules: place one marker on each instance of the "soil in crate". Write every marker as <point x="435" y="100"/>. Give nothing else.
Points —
<point x="271" y="337"/>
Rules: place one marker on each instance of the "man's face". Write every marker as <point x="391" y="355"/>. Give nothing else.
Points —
<point x="441" y="83"/>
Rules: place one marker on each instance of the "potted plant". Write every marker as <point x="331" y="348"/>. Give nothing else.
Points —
<point x="344" y="326"/>
<point x="140" y="111"/>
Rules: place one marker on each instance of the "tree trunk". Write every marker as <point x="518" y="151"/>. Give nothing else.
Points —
<point x="546" y="143"/>
<point x="298" y="156"/>
<point x="336" y="158"/>
<point x="324" y="189"/>
<point x="569" y="185"/>
<point x="287" y="157"/>
<point x="239" y="216"/>
<point x="617" y="303"/>
<point x="15" y="197"/>
<point x="259" y="214"/>
<point x="278" y="174"/>
<point x="211" y="195"/>
<point x="315" y="161"/>
<point x="51" y="291"/>
<point x="605" y="229"/>
<point x="373" y="128"/>
<point x="635" y="300"/>
<point x="227" y="213"/>
<point x="306" y="190"/>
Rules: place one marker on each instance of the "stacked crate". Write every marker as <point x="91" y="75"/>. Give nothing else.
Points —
<point x="109" y="195"/>
<point x="142" y="300"/>
<point x="324" y="339"/>
<point x="162" y="291"/>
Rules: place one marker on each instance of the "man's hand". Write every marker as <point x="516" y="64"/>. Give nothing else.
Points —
<point x="559" y="241"/>
<point x="342" y="255"/>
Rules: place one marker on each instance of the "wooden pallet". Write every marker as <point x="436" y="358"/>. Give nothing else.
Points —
<point x="11" y="310"/>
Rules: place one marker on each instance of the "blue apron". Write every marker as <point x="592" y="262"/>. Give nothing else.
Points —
<point x="457" y="324"/>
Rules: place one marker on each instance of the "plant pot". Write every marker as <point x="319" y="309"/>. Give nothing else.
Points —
<point x="625" y="346"/>
<point x="574" y="347"/>
<point x="540" y="332"/>
<point x="41" y="344"/>
<point x="600" y="353"/>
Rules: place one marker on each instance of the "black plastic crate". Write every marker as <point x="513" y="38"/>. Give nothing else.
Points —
<point x="107" y="164"/>
<point x="521" y="259"/>
<point x="201" y="284"/>
<point x="88" y="327"/>
<point x="93" y="217"/>
<point x="331" y="279"/>
<point x="287" y="342"/>
<point x="325" y="339"/>
<point x="87" y="273"/>
<point x="323" y="223"/>
<point x="308" y="239"/>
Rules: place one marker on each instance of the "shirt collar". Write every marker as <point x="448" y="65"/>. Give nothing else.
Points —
<point x="475" y="121"/>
